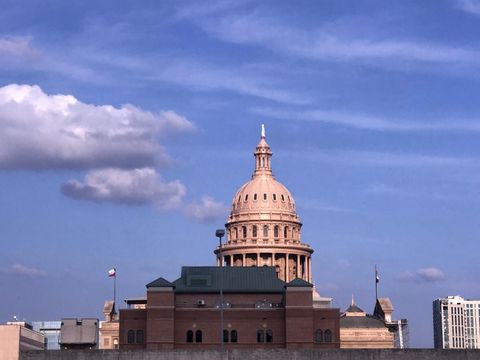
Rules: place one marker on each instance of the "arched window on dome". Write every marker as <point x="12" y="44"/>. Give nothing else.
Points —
<point x="285" y="232"/>
<point x="274" y="197"/>
<point x="265" y="231"/>
<point x="244" y="232"/>
<point x="235" y="230"/>
<point x="275" y="231"/>
<point x="265" y="196"/>
<point x="283" y="198"/>
<point x="246" y="197"/>
<point x="254" y="197"/>
<point x="254" y="231"/>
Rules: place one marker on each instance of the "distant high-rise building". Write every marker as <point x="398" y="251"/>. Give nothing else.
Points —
<point x="456" y="323"/>
<point x="51" y="331"/>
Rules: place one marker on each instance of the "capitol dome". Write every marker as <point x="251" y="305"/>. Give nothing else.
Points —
<point x="263" y="228"/>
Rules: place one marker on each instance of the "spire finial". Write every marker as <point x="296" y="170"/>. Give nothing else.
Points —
<point x="263" y="131"/>
<point x="353" y="300"/>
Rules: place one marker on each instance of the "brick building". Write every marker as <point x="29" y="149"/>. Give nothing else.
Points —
<point x="260" y="310"/>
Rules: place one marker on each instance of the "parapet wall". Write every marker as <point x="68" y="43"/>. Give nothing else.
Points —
<point x="257" y="354"/>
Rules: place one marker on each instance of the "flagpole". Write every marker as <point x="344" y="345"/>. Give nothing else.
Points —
<point x="115" y="291"/>
<point x="376" y="283"/>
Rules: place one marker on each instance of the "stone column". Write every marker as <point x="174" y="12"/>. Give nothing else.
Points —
<point x="299" y="275"/>
<point x="286" y="268"/>
<point x="243" y="260"/>
<point x="309" y="269"/>
<point x="258" y="259"/>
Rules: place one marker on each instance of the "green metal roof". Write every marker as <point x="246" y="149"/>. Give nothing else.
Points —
<point x="354" y="309"/>
<point x="299" y="283"/>
<point x="160" y="282"/>
<point x="206" y="279"/>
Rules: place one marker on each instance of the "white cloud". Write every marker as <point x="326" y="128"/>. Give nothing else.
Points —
<point x="18" y="46"/>
<point x="367" y="121"/>
<point x="429" y="274"/>
<point x="238" y="80"/>
<point x="470" y="6"/>
<point x="22" y="270"/>
<point x="207" y="210"/>
<point x="129" y="187"/>
<point x="322" y="44"/>
<point x="40" y="131"/>
<point x="374" y="158"/>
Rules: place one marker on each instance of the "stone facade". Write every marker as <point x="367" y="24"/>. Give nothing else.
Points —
<point x="263" y="228"/>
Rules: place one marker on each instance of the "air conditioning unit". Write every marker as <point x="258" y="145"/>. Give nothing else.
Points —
<point x="201" y="302"/>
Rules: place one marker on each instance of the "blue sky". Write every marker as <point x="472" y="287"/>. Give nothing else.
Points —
<point x="125" y="131"/>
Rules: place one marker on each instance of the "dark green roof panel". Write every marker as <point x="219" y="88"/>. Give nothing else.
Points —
<point x="206" y="279"/>
<point x="160" y="282"/>
<point x="299" y="283"/>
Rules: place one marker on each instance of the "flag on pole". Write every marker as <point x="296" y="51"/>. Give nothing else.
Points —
<point x="112" y="272"/>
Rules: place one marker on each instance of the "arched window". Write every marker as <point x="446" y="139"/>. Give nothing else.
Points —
<point x="285" y="232"/>
<point x="269" y="336"/>
<point x="234" y="336"/>
<point x="274" y="197"/>
<point x="327" y="336"/>
<point x="254" y="197"/>
<point x="265" y="196"/>
<point x="236" y="233"/>
<point x="130" y="337"/>
<point x="265" y="230"/>
<point x="198" y="336"/>
<point x="225" y="336"/>
<point x="275" y="231"/>
<point x="189" y="336"/>
<point x="319" y="336"/>
<point x="244" y="232"/>
<point x="283" y="198"/>
<point x="140" y="338"/>
<point x="260" y="336"/>
<point x="254" y="231"/>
